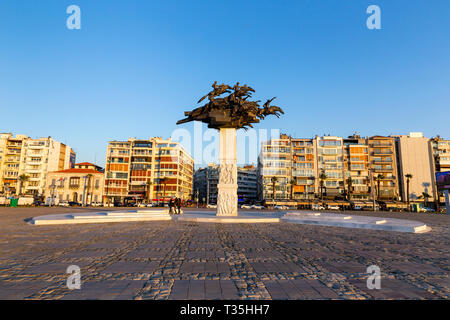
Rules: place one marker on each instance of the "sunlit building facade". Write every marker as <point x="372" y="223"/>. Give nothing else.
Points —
<point x="150" y="170"/>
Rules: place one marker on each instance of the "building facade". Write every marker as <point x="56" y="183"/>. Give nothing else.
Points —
<point x="82" y="184"/>
<point x="150" y="170"/>
<point x="275" y="169"/>
<point x="441" y="154"/>
<point x="415" y="156"/>
<point x="205" y="184"/>
<point x="383" y="172"/>
<point x="330" y="165"/>
<point x="356" y="167"/>
<point x="328" y="168"/>
<point x="25" y="162"/>
<point x="206" y="180"/>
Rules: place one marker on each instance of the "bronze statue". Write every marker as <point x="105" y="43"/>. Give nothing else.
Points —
<point x="232" y="111"/>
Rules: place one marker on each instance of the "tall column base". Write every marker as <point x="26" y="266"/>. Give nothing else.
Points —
<point x="227" y="187"/>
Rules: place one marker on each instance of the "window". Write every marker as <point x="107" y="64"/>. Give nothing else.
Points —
<point x="329" y="143"/>
<point x="74" y="182"/>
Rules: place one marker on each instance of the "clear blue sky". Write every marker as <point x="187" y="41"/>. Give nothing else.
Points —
<point x="136" y="66"/>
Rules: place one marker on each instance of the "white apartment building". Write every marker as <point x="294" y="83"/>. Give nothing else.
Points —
<point x="23" y="156"/>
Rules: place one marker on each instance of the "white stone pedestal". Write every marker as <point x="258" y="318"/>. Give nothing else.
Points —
<point x="227" y="188"/>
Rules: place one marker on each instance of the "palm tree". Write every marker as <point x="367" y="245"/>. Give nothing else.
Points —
<point x="22" y="178"/>
<point x="379" y="177"/>
<point x="349" y="187"/>
<point x="274" y="180"/>
<point x="292" y="182"/>
<point x="425" y="197"/>
<point x="408" y="179"/>
<point x="322" y="178"/>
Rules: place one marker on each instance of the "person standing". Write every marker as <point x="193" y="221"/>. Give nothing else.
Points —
<point x="171" y="205"/>
<point x="178" y="204"/>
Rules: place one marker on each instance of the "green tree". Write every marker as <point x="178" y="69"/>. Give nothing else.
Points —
<point x="349" y="187"/>
<point x="425" y="197"/>
<point x="379" y="178"/>
<point x="274" y="180"/>
<point x="322" y="178"/>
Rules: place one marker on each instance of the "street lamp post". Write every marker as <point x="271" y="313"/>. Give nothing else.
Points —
<point x="84" y="192"/>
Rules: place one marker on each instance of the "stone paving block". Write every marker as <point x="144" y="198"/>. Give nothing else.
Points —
<point x="21" y="290"/>
<point x="107" y="245"/>
<point x="106" y="290"/>
<point x="196" y="290"/>
<point x="213" y="290"/>
<point x="180" y="290"/>
<point x="229" y="290"/>
<point x="131" y="267"/>
<point x="393" y="289"/>
<point x="275" y="290"/>
<point x="55" y="268"/>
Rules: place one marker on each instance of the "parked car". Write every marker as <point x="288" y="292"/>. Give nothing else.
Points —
<point x="63" y="203"/>
<point x="246" y="206"/>
<point x="211" y="206"/>
<point x="96" y="204"/>
<point x="117" y="204"/>
<point x="257" y="207"/>
<point x="357" y="207"/>
<point x="317" y="207"/>
<point x="73" y="203"/>
<point x="425" y="209"/>
<point x="333" y="208"/>
<point x="281" y="207"/>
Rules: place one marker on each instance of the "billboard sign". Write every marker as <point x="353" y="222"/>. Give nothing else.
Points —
<point x="443" y="180"/>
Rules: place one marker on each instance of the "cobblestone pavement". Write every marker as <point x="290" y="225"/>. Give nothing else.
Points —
<point x="185" y="260"/>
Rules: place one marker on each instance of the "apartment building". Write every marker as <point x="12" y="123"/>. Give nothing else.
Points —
<point x="415" y="156"/>
<point x="11" y="158"/>
<point x="356" y="168"/>
<point x="247" y="180"/>
<point x="383" y="168"/>
<point x="150" y="170"/>
<point x="82" y="184"/>
<point x="304" y="169"/>
<point x="206" y="179"/>
<point x="441" y="154"/>
<point x="42" y="156"/>
<point x="205" y="184"/>
<point x="330" y="165"/>
<point x="275" y="169"/>
<point x="25" y="162"/>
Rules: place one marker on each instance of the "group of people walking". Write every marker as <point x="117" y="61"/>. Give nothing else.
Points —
<point x="175" y="205"/>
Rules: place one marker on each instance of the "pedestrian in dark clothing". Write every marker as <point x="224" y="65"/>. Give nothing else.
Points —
<point x="178" y="204"/>
<point x="171" y="205"/>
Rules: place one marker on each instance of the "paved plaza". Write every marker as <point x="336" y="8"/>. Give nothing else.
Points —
<point x="195" y="260"/>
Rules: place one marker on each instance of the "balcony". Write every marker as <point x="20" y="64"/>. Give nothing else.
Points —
<point x="382" y="161"/>
<point x="385" y="152"/>
<point x="383" y="169"/>
<point x="380" y="144"/>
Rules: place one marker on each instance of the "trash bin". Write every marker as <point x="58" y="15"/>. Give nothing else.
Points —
<point x="13" y="202"/>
